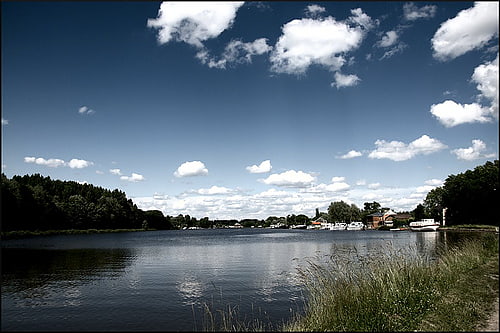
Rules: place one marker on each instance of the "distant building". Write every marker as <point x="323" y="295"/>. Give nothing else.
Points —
<point x="376" y="220"/>
<point x="319" y="223"/>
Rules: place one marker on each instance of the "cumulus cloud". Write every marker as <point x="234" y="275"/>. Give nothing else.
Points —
<point x="450" y="113"/>
<point x="486" y="77"/>
<point x="263" y="167"/>
<point x="434" y="182"/>
<point x="189" y="169"/>
<point x="373" y="185"/>
<point x="56" y="162"/>
<point x="325" y="188"/>
<point x="5" y="122"/>
<point x="290" y="178"/>
<point x="79" y="164"/>
<point x="134" y="178"/>
<point x="361" y="182"/>
<point x="117" y="172"/>
<point x="400" y="151"/>
<point x="235" y="52"/>
<point x="361" y="19"/>
<point x="351" y="154"/>
<point x="412" y="12"/>
<point x="306" y="42"/>
<point x="193" y="22"/>
<point x="471" y="29"/>
<point x="473" y="153"/>
<point x="337" y="179"/>
<point x="389" y="39"/>
<point x="425" y="188"/>
<point x="342" y="80"/>
<point x="214" y="190"/>
<point x="85" y="110"/>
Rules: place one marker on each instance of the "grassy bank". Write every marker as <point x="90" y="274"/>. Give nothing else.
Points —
<point x="25" y="234"/>
<point x="402" y="293"/>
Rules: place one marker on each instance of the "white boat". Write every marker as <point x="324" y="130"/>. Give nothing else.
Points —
<point x="356" y="226"/>
<point x="424" y="225"/>
<point x="338" y="226"/>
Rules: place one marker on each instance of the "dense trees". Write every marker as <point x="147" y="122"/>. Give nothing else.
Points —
<point x="470" y="197"/>
<point x="339" y="211"/>
<point x="34" y="202"/>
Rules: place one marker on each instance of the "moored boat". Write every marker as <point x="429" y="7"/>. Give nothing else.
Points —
<point x="355" y="226"/>
<point x="424" y="225"/>
<point x="338" y="226"/>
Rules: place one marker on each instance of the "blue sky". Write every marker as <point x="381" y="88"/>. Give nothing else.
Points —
<point x="247" y="110"/>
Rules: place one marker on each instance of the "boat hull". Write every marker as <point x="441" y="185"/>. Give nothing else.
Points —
<point x="425" y="228"/>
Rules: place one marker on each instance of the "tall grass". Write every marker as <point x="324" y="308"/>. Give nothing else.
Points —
<point x="401" y="291"/>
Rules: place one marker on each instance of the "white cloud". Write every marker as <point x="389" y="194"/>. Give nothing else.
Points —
<point x="314" y="10"/>
<point x="193" y="22"/>
<point x="305" y="42"/>
<point x="471" y="29"/>
<point x="290" y="178"/>
<point x="337" y="179"/>
<point x="351" y="154"/>
<point x="412" y="12"/>
<point x="342" y="80"/>
<point x="85" y="110"/>
<point x="393" y="51"/>
<point x="263" y="167"/>
<point x="473" y="153"/>
<point x="5" y="122"/>
<point x="425" y="188"/>
<point x="486" y="77"/>
<point x="273" y="202"/>
<point x="361" y="182"/>
<point x="389" y="39"/>
<point x="434" y="182"/>
<point x="325" y="188"/>
<point x="235" y="52"/>
<point x="361" y="19"/>
<point x="450" y="113"/>
<point x="373" y="185"/>
<point x="79" y="164"/>
<point x="188" y="169"/>
<point x="214" y="190"/>
<point x="399" y="151"/>
<point x="51" y="162"/>
<point x="134" y="178"/>
<point x="117" y="172"/>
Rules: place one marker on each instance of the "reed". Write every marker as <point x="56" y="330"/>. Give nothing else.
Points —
<point x="401" y="291"/>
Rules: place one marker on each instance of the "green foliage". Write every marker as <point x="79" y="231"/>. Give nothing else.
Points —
<point x="401" y="291"/>
<point x="340" y="211"/>
<point x="37" y="203"/>
<point x="470" y="197"/>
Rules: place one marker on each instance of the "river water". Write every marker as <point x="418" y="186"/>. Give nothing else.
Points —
<point x="166" y="280"/>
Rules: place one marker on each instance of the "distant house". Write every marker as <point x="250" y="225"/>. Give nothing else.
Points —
<point x="376" y="220"/>
<point x="402" y="217"/>
<point x="318" y="223"/>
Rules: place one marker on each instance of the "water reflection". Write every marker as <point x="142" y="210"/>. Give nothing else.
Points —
<point x="161" y="280"/>
<point x="27" y="269"/>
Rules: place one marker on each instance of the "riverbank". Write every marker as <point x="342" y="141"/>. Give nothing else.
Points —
<point x="455" y="293"/>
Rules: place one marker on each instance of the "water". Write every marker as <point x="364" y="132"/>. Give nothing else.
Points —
<point x="161" y="280"/>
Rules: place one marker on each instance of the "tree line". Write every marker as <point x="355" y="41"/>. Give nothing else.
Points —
<point x="469" y="197"/>
<point x="37" y="203"/>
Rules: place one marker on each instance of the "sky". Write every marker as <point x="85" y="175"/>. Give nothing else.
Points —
<point x="239" y="110"/>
